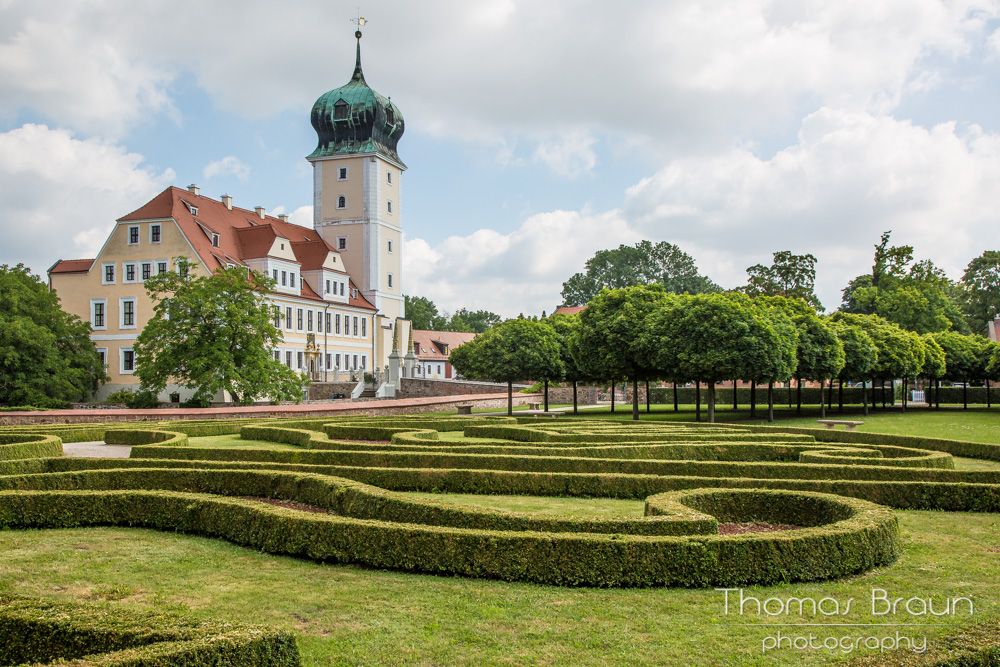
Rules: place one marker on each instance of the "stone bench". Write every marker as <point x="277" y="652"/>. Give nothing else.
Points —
<point x="464" y="409"/>
<point x="834" y="423"/>
<point x="538" y="413"/>
<point x="534" y="406"/>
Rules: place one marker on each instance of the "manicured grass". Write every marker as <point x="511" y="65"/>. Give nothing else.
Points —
<point x="234" y="442"/>
<point x="349" y="615"/>
<point x="575" y="507"/>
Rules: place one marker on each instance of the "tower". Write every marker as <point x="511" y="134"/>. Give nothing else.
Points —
<point x="357" y="176"/>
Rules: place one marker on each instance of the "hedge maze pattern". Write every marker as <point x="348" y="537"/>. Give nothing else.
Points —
<point x="339" y="494"/>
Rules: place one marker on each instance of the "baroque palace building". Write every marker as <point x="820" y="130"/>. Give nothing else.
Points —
<point x="338" y="299"/>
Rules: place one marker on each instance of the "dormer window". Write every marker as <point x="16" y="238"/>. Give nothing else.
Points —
<point x="341" y="201"/>
<point x="340" y="110"/>
<point x="390" y="117"/>
<point x="194" y="210"/>
<point x="215" y="240"/>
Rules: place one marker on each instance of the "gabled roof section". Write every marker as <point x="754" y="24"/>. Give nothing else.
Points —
<point x="72" y="266"/>
<point x="255" y="241"/>
<point x="438" y="345"/>
<point x="312" y="254"/>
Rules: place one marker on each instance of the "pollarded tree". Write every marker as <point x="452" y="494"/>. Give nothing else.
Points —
<point x="935" y="363"/>
<point x="964" y="358"/>
<point x="46" y="356"/>
<point x="214" y="333"/>
<point x="860" y="354"/>
<point x="511" y="351"/>
<point x="712" y="337"/>
<point x="777" y="360"/>
<point x="900" y="355"/>
<point x="611" y="335"/>
<point x="819" y="353"/>
<point x="568" y="328"/>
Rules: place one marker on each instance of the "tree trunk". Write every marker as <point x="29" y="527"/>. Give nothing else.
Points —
<point x="822" y="399"/>
<point x="937" y="394"/>
<point x="697" y="400"/>
<point x="903" y="387"/>
<point x="575" y="405"/>
<point x="753" y="398"/>
<point x="711" y="401"/>
<point x="676" y="408"/>
<point x="635" y="398"/>
<point x="736" y="402"/>
<point x="510" y="399"/>
<point x="989" y="403"/>
<point x="770" y="401"/>
<point x="883" y="394"/>
<point x="965" y="395"/>
<point x="613" y="387"/>
<point x="864" y="395"/>
<point x="798" y="394"/>
<point x="647" y="396"/>
<point x="840" y="395"/>
<point x="789" y="392"/>
<point x="829" y="396"/>
<point x="545" y="397"/>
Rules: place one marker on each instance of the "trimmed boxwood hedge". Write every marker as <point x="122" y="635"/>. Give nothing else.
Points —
<point x="144" y="437"/>
<point x="29" y="446"/>
<point x="867" y="539"/>
<point x="43" y="632"/>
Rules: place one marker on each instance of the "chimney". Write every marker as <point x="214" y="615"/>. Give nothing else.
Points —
<point x="194" y="189"/>
<point x="260" y="211"/>
<point x="228" y="201"/>
<point x="283" y="217"/>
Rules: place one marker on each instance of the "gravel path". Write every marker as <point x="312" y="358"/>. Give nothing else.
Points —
<point x="95" y="450"/>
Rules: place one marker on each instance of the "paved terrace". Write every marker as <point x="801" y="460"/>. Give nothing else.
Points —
<point x="325" y="409"/>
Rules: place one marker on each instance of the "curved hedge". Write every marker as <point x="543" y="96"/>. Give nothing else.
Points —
<point x="868" y="537"/>
<point x="27" y="446"/>
<point x="41" y="632"/>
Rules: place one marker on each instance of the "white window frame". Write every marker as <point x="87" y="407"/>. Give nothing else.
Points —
<point x="341" y="243"/>
<point x="342" y="173"/>
<point x="388" y="206"/>
<point x="103" y="351"/>
<point x="341" y="206"/>
<point x="138" y="235"/>
<point x="121" y="361"/>
<point x="92" y="303"/>
<point x="153" y="226"/>
<point x="135" y="273"/>
<point x="388" y="176"/>
<point x="142" y="265"/>
<point x="162" y="266"/>
<point x="388" y="245"/>
<point x="390" y="280"/>
<point x="104" y="273"/>
<point x="121" y="312"/>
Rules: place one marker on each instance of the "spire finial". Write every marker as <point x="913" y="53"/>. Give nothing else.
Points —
<point x="360" y="22"/>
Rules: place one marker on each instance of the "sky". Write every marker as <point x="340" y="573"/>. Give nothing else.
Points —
<point x="536" y="133"/>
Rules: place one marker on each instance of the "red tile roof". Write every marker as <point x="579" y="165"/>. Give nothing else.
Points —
<point x="72" y="266"/>
<point x="243" y="234"/>
<point x="569" y="310"/>
<point x="430" y="345"/>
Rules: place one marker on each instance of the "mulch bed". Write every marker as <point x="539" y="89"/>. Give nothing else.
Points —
<point x="753" y="527"/>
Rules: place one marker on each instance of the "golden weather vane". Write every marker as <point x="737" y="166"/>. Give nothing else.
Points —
<point x="359" y="21"/>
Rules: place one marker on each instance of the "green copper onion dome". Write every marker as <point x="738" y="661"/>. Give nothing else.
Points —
<point x="356" y="119"/>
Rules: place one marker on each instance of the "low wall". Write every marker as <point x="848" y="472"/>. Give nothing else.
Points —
<point x="324" y="391"/>
<point x="418" y="388"/>
<point x="332" y="409"/>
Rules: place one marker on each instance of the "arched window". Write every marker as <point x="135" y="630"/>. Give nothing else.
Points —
<point x="341" y="201"/>
<point x="340" y="110"/>
<point x="390" y="117"/>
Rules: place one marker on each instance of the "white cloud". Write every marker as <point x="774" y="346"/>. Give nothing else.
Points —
<point x="521" y="271"/>
<point x="302" y="216"/>
<point x="848" y="177"/>
<point x="570" y="155"/>
<point x="60" y="196"/>
<point x="993" y="43"/>
<point x="227" y="166"/>
<point x="683" y="74"/>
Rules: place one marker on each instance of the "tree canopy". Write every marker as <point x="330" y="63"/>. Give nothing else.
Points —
<point x="965" y="356"/>
<point x="789" y="275"/>
<point x="981" y="286"/>
<point x="213" y="333"/>
<point x="611" y="334"/>
<point x="423" y="313"/>
<point x="512" y="351"/>
<point x="46" y="356"/>
<point x="900" y="355"/>
<point x="917" y="296"/>
<point x="860" y="351"/>
<point x="645" y="263"/>
<point x="711" y="337"/>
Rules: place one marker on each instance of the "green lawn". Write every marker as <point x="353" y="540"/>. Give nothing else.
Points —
<point x="349" y="615"/>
